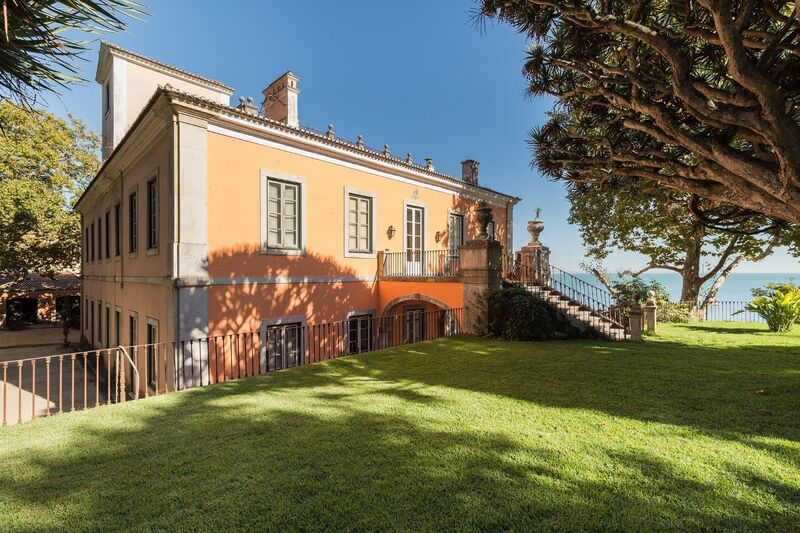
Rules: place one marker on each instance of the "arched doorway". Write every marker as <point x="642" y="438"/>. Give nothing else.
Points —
<point x="416" y="317"/>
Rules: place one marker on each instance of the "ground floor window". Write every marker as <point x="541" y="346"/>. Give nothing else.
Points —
<point x="359" y="333"/>
<point x="132" y="325"/>
<point x="284" y="345"/>
<point x="118" y="326"/>
<point x="108" y="326"/>
<point x="100" y="323"/>
<point x="152" y="352"/>
<point x="414" y="324"/>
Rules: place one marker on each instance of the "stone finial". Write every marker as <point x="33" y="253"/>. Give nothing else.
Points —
<point x="484" y="215"/>
<point x="409" y="159"/>
<point x="360" y="142"/>
<point x="535" y="228"/>
<point x="246" y="105"/>
<point x="386" y="150"/>
<point x="330" y="134"/>
<point x="429" y="164"/>
<point x="651" y="298"/>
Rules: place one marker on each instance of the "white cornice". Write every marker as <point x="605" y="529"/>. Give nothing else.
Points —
<point x="108" y="50"/>
<point x="255" y="129"/>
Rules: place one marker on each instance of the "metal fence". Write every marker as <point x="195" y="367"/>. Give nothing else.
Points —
<point x="44" y="386"/>
<point x="429" y="263"/>
<point x="721" y="311"/>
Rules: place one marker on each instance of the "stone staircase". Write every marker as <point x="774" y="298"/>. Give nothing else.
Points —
<point x="586" y="306"/>
<point x="580" y="315"/>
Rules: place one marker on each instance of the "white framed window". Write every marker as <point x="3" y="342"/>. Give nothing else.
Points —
<point x="118" y="325"/>
<point x="152" y="214"/>
<point x="99" y="323"/>
<point x="359" y="223"/>
<point x="108" y="325"/>
<point x="133" y="325"/>
<point x="133" y="220"/>
<point x="455" y="232"/>
<point x="283" y="203"/>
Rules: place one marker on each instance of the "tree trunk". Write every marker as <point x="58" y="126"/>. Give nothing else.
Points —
<point x="690" y="273"/>
<point x="715" y="287"/>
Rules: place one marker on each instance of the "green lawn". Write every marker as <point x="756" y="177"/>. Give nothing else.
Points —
<point x="698" y="428"/>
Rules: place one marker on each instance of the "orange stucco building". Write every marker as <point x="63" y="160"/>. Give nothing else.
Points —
<point x="208" y="219"/>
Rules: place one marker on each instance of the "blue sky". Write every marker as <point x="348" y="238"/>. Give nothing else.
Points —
<point x="416" y="75"/>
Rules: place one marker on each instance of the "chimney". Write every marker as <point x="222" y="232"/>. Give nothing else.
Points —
<point x="280" y="100"/>
<point x="469" y="171"/>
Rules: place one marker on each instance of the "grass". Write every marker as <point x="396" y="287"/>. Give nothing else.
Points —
<point x="697" y="428"/>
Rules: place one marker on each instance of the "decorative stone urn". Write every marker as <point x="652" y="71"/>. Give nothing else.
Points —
<point x="533" y="260"/>
<point x="484" y="215"/>
<point x="535" y="228"/>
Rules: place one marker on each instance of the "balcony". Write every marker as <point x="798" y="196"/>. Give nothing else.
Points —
<point x="427" y="264"/>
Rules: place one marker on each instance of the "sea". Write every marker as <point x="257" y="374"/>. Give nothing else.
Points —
<point x="735" y="289"/>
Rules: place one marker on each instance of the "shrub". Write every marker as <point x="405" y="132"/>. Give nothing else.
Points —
<point x="771" y="288"/>
<point x="673" y="313"/>
<point x="781" y="310"/>
<point x="628" y="287"/>
<point x="517" y="315"/>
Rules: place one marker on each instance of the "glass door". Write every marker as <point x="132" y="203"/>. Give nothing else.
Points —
<point x="414" y="229"/>
<point x="455" y="238"/>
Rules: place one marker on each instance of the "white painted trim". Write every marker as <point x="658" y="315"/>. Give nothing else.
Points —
<point x="373" y="223"/>
<point x="463" y="227"/>
<point x="108" y="325"/>
<point x="256" y="280"/>
<point x="149" y="321"/>
<point x="422" y="205"/>
<point x="285" y="280"/>
<point x="302" y="218"/>
<point x="279" y="321"/>
<point x="120" y="53"/>
<point x="222" y="130"/>
<point x="155" y="176"/>
<point x="118" y="309"/>
<point x="135" y="316"/>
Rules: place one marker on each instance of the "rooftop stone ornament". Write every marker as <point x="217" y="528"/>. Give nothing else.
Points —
<point x="484" y="215"/>
<point x="535" y="228"/>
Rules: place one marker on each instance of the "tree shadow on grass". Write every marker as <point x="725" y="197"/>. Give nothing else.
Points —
<point x="279" y="452"/>
<point x="728" y="330"/>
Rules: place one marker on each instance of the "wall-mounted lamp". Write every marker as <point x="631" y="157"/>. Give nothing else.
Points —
<point x="438" y="236"/>
<point x="390" y="232"/>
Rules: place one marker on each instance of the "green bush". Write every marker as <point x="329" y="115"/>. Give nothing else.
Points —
<point x="517" y="315"/>
<point x="781" y="310"/>
<point x="771" y="288"/>
<point x="673" y="313"/>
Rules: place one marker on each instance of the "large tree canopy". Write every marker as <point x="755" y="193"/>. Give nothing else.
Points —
<point x="41" y="38"/>
<point x="660" y="225"/>
<point x="45" y="163"/>
<point x="699" y="96"/>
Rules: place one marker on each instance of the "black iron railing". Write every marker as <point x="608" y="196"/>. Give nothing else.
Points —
<point x="592" y="298"/>
<point x="429" y="263"/>
<point x="43" y="386"/>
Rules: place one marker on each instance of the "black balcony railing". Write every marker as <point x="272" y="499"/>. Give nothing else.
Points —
<point x="429" y="263"/>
